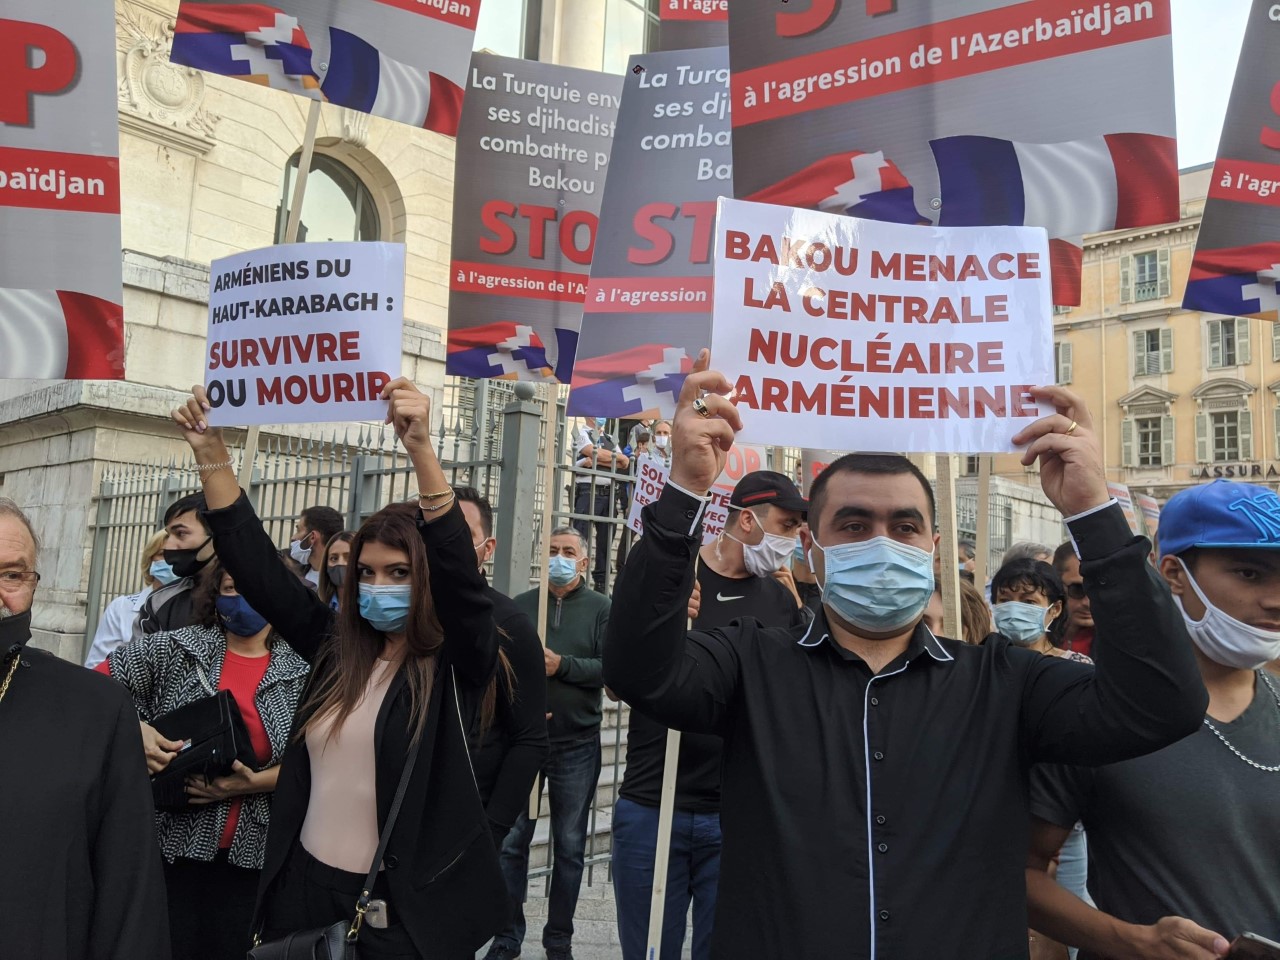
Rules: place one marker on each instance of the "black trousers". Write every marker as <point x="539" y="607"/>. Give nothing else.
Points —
<point x="210" y="908"/>
<point x="599" y="505"/>
<point x="309" y="894"/>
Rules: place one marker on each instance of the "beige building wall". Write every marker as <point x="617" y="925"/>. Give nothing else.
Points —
<point x="1183" y="387"/>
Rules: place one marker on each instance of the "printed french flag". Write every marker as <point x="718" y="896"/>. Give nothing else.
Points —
<point x="644" y="378"/>
<point x="363" y="78"/>
<point x="497" y="350"/>
<point x="1072" y="188"/>
<point x="251" y="41"/>
<point x="855" y="184"/>
<point x="1236" y="281"/>
<point x="60" y="334"/>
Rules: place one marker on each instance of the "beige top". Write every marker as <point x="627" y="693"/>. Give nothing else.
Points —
<point x="341" y="826"/>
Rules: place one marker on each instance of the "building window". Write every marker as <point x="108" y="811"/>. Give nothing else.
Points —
<point x="1144" y="276"/>
<point x="1058" y="309"/>
<point x="1152" y="352"/>
<point x="969" y="466"/>
<point x="1228" y="342"/>
<point x="510" y="28"/>
<point x="336" y="206"/>
<point x="630" y="26"/>
<point x="1275" y="342"/>
<point x="1062" y="362"/>
<point x="1226" y="436"/>
<point x="1147" y="441"/>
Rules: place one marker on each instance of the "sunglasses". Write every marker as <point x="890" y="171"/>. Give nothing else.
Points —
<point x="1075" y="591"/>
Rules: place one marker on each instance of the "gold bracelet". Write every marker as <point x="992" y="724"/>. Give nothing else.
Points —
<point x="438" y="506"/>
<point x="435" y="496"/>
<point x="210" y="467"/>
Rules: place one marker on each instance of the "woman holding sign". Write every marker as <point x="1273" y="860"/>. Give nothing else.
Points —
<point x="398" y="676"/>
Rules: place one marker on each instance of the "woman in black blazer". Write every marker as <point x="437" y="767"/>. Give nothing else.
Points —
<point x="415" y="630"/>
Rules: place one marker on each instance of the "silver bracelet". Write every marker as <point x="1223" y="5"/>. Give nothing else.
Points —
<point x="210" y="467"/>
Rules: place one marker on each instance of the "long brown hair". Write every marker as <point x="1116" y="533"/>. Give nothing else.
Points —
<point x="346" y="663"/>
<point x="325" y="587"/>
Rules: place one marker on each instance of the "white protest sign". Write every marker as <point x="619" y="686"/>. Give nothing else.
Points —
<point x="861" y="335"/>
<point x="304" y="333"/>
<point x="651" y="477"/>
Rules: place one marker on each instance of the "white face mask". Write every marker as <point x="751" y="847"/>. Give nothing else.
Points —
<point x="1224" y="639"/>
<point x="661" y="441"/>
<point x="299" y="553"/>
<point x="4" y="611"/>
<point x="767" y="557"/>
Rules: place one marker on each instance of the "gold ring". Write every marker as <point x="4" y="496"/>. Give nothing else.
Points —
<point x="1072" y="429"/>
<point x="700" y="408"/>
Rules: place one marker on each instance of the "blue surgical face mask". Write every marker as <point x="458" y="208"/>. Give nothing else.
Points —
<point x="386" y="607"/>
<point x="798" y="553"/>
<point x="162" y="572"/>
<point x="238" y="617"/>
<point x="561" y="571"/>
<point x="1023" y="623"/>
<point x="600" y="422"/>
<point x="878" y="585"/>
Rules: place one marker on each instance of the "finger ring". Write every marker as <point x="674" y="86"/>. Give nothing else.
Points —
<point x="700" y="408"/>
<point x="1072" y="429"/>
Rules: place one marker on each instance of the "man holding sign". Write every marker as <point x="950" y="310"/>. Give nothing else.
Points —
<point x="874" y="777"/>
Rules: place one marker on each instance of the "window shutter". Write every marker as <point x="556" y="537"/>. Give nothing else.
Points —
<point x="1166" y="350"/>
<point x="1245" y="420"/>
<point x="1275" y="341"/>
<point x="1243" y="352"/>
<point x="1162" y="263"/>
<point x="1215" y="343"/>
<point x="1168" y="452"/>
<point x="1277" y="417"/>
<point x="1202" y="438"/>
<point x="1139" y="353"/>
<point x="1064" y="363"/>
<point x="1128" y="442"/>
<point x="1126" y="279"/>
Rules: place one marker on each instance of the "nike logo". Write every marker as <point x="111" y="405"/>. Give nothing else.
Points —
<point x="722" y="597"/>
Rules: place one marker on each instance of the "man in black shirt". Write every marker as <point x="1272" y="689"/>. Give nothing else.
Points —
<point x="737" y="577"/>
<point x="188" y="548"/>
<point x="874" y="780"/>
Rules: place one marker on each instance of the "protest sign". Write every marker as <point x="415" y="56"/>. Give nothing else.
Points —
<point x="651" y="477"/>
<point x="61" y="313"/>
<point x="960" y="112"/>
<point x="405" y="60"/>
<point x="692" y="24"/>
<point x="1236" y="266"/>
<point x="1150" y="511"/>
<point x="534" y="143"/>
<point x="812" y="463"/>
<point x="879" y="336"/>
<point x="1121" y="492"/>
<point x="304" y="333"/>
<point x="648" y="306"/>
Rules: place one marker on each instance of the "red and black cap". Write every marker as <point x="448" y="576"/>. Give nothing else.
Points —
<point x="764" y="488"/>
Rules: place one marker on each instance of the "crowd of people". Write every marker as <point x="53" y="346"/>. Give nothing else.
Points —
<point x="1089" y="769"/>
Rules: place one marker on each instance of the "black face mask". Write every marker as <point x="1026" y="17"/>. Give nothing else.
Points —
<point x="184" y="562"/>
<point x="337" y="573"/>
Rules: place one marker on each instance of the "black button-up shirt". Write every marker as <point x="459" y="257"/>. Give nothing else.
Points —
<point x="885" y="815"/>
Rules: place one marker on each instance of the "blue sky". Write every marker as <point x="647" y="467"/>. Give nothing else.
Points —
<point x="1206" y="45"/>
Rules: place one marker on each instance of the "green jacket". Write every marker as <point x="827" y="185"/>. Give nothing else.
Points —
<point x="576" y="625"/>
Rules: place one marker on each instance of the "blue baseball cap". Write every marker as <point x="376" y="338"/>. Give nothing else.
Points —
<point x="1222" y="514"/>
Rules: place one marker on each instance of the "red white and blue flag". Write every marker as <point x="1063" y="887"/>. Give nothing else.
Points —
<point x="1236" y="281"/>
<point x="60" y="334"/>
<point x="1072" y="188"/>
<point x="510" y="350"/>
<point x="271" y="47"/>
<point x="648" y="377"/>
<point x="855" y="184"/>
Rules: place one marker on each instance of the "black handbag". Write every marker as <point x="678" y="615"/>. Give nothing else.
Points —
<point x="217" y="737"/>
<point x="338" y="940"/>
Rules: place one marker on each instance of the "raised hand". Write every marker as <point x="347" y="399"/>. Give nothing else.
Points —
<point x="409" y="412"/>
<point x="700" y="444"/>
<point x="1071" y="469"/>
<point x="191" y="420"/>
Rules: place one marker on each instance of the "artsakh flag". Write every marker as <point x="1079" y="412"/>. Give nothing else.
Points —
<point x="856" y="184"/>
<point x="59" y="334"/>
<point x="497" y="350"/>
<point x="644" y="378"/>
<point x="1073" y="188"/>
<point x="252" y="41"/>
<point x="1236" y="281"/>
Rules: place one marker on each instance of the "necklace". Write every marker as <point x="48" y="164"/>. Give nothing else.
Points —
<point x="1218" y="733"/>
<point x="13" y="668"/>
